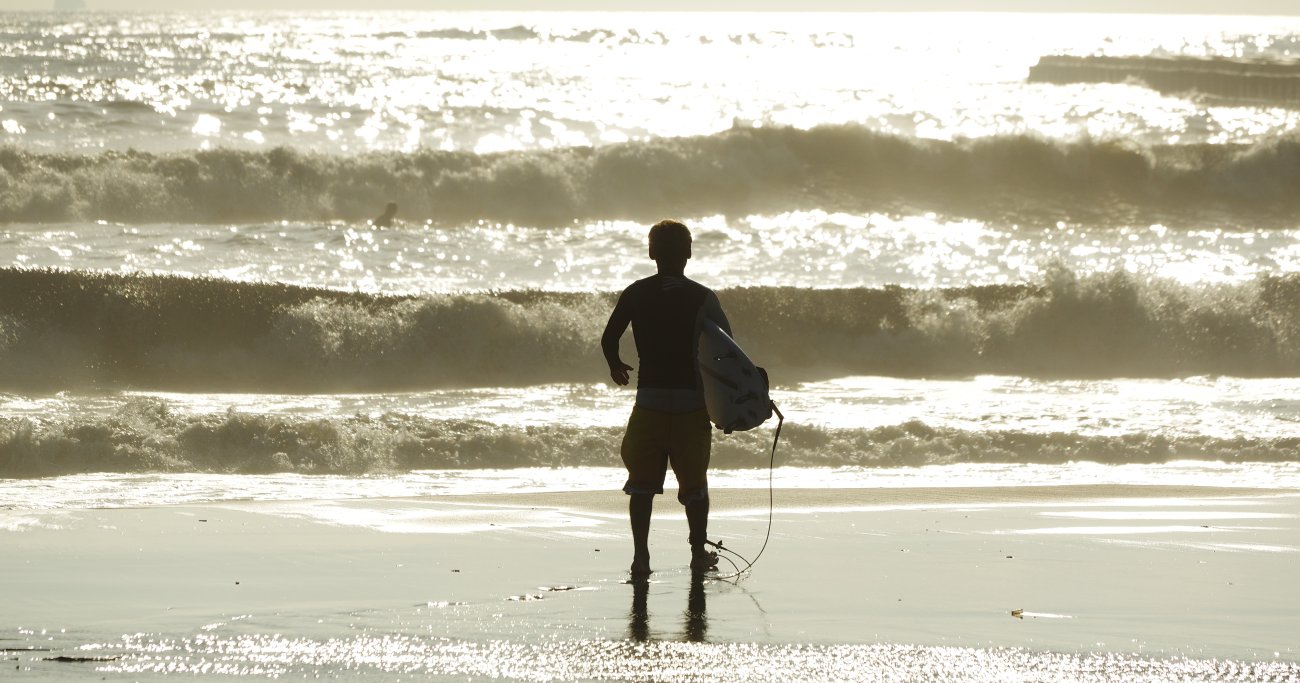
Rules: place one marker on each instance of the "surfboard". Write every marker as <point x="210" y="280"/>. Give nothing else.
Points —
<point x="735" y="390"/>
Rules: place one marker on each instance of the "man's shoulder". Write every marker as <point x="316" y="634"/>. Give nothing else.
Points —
<point x="681" y="281"/>
<point x="639" y="285"/>
<point x="703" y="290"/>
<point x="657" y="284"/>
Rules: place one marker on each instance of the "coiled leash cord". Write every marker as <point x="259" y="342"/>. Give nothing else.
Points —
<point x="771" y="465"/>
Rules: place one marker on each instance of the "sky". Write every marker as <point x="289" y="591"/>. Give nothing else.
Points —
<point x="1280" y="7"/>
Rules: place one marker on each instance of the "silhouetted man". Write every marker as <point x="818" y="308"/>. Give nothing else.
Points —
<point x="669" y="425"/>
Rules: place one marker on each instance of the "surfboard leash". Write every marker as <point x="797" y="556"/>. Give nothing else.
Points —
<point x="771" y="506"/>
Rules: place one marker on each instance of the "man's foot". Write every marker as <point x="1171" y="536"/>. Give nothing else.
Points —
<point x="640" y="568"/>
<point x="703" y="560"/>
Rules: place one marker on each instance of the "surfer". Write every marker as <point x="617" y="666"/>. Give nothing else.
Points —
<point x="669" y="424"/>
<point x="385" y="220"/>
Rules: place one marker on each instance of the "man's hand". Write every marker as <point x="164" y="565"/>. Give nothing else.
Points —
<point x="619" y="373"/>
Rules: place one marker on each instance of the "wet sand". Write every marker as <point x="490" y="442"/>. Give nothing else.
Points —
<point x="531" y="587"/>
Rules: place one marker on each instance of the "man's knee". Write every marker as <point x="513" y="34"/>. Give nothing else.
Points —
<point x="693" y="495"/>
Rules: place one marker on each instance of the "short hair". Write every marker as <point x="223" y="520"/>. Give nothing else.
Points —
<point x="670" y="241"/>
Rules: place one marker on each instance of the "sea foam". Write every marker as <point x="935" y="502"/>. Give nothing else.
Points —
<point x="741" y="170"/>
<point x="64" y="330"/>
<point x="146" y="435"/>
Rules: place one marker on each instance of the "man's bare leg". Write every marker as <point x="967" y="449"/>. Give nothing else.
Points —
<point x="639" y="507"/>
<point x="697" y="518"/>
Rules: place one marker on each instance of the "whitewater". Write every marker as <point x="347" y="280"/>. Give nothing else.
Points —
<point x="955" y="276"/>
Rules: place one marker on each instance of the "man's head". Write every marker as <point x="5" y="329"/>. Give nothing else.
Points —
<point x="670" y="243"/>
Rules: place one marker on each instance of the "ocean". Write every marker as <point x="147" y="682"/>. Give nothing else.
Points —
<point x="956" y="276"/>
<point x="942" y="264"/>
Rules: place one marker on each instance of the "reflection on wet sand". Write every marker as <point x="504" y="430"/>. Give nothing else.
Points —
<point x="695" y="623"/>
<point x="638" y="628"/>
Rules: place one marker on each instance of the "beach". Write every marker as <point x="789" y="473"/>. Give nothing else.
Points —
<point x="1047" y="582"/>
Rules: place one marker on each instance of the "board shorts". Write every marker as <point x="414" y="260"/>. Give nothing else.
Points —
<point x="654" y="440"/>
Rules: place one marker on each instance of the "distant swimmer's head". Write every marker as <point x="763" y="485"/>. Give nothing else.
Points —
<point x="385" y="219"/>
<point x="670" y="242"/>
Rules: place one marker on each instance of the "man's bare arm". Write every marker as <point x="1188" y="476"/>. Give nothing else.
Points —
<point x="614" y="329"/>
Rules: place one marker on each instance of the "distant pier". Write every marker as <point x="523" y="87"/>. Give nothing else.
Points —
<point x="1240" y="79"/>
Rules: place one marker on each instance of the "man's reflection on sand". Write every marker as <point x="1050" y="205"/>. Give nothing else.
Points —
<point x="695" y="627"/>
<point x="638" y="627"/>
<point x="697" y="624"/>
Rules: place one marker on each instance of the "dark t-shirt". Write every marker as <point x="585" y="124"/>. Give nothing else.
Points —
<point x="665" y="312"/>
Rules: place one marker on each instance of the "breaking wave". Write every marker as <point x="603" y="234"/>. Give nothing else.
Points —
<point x="65" y="330"/>
<point x="742" y="170"/>
<point x="146" y="436"/>
<point x="1259" y="80"/>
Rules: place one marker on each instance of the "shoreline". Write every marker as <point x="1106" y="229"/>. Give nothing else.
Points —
<point x="837" y="498"/>
<point x="119" y="490"/>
